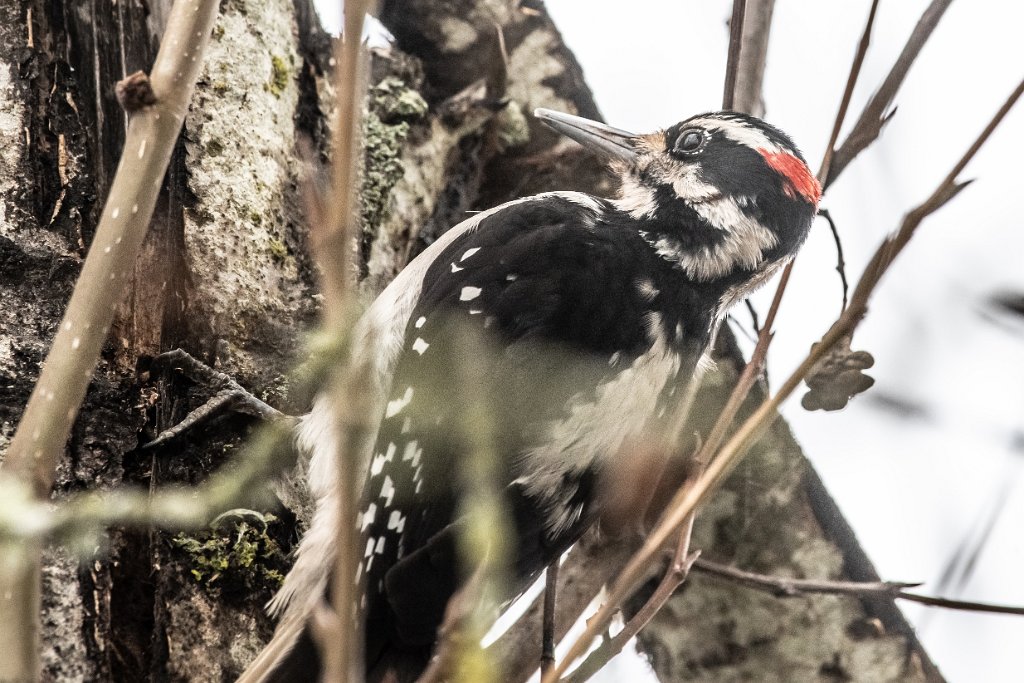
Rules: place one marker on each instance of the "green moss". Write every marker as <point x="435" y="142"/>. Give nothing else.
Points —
<point x="280" y="73"/>
<point x="235" y="551"/>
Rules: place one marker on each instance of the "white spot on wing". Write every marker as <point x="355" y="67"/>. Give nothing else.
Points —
<point x="396" y="521"/>
<point x="387" y="491"/>
<point x="419" y="346"/>
<point x="456" y="268"/>
<point x="412" y="453"/>
<point x="420" y="321"/>
<point x="368" y="517"/>
<point x="398" y="405"/>
<point x="468" y="253"/>
<point x="469" y="293"/>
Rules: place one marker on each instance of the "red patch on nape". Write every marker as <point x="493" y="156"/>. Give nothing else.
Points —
<point x="798" y="178"/>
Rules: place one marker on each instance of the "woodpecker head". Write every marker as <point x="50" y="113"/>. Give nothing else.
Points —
<point x="723" y="196"/>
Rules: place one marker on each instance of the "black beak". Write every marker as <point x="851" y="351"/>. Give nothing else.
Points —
<point x="594" y="136"/>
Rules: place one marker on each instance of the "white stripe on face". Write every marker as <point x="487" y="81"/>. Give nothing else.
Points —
<point x="739" y="131"/>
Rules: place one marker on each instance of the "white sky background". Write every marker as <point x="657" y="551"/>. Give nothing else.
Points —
<point x="914" y="488"/>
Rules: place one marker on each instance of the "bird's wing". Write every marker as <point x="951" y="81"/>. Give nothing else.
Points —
<point x="545" y="281"/>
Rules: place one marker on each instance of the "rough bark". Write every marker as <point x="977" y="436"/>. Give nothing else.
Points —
<point x="226" y="275"/>
<point x="774" y="517"/>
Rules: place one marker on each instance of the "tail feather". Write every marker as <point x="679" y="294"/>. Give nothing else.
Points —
<point x="290" y="655"/>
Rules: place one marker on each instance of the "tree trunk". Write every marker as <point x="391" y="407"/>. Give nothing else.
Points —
<point x="226" y="275"/>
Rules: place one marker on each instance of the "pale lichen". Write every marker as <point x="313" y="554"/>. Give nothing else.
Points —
<point x="512" y="126"/>
<point x="391" y="106"/>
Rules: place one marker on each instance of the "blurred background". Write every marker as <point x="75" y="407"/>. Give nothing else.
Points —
<point x="927" y="466"/>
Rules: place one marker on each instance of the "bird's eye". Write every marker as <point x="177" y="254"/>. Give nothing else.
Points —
<point x="689" y="141"/>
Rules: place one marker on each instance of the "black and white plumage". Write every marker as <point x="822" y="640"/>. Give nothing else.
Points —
<point x="600" y="309"/>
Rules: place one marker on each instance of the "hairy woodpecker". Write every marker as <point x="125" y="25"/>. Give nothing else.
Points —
<point x="627" y="293"/>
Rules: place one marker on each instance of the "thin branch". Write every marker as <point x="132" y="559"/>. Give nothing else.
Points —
<point x="686" y="501"/>
<point x="840" y="260"/>
<point x="739" y="8"/>
<point x="332" y="239"/>
<point x="24" y="519"/>
<point x="757" y="22"/>
<point x="350" y="386"/>
<point x="38" y="443"/>
<point x="547" y="643"/>
<point x="782" y="586"/>
<point x="844" y="104"/>
<point x="755" y="322"/>
<point x="874" y="117"/>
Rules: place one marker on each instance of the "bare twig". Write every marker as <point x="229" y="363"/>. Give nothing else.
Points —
<point x="39" y="441"/>
<point x="874" y="117"/>
<point x="782" y="586"/>
<point x="844" y="104"/>
<point x="482" y="543"/>
<point x="840" y="261"/>
<point x="686" y="501"/>
<point x="547" y="643"/>
<point x="24" y="519"/>
<point x="739" y="8"/>
<point x="755" y="322"/>
<point x="757" y="22"/>
<point x="332" y="242"/>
